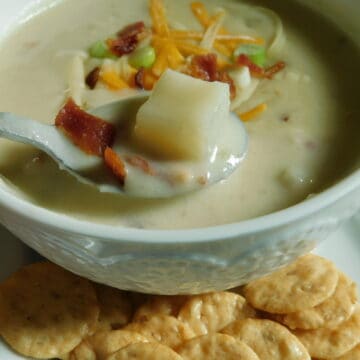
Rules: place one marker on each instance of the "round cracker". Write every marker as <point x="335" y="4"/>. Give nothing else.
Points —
<point x="46" y="311"/>
<point x="115" y="307"/>
<point x="212" y="312"/>
<point x="83" y="351"/>
<point x="215" y="347"/>
<point x="105" y="343"/>
<point x="331" y="343"/>
<point x="269" y="340"/>
<point x="160" y="305"/>
<point x="145" y="351"/>
<point x="164" y="329"/>
<point x="332" y="312"/>
<point x="353" y="354"/>
<point x="306" y="283"/>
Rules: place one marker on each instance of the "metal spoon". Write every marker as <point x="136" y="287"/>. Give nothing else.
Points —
<point x="83" y="166"/>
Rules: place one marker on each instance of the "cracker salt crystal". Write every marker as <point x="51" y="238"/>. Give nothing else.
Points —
<point x="269" y="340"/>
<point x="148" y="351"/>
<point x="46" y="311"/>
<point x="305" y="283"/>
<point x="215" y="347"/>
<point x="213" y="311"/>
<point x="331" y="343"/>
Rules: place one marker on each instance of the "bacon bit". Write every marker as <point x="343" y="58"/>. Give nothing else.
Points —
<point x="132" y="30"/>
<point x="115" y="164"/>
<point x="88" y="132"/>
<point x="93" y="77"/>
<point x="253" y="113"/>
<point x="122" y="46"/>
<point x="140" y="162"/>
<point x="285" y="118"/>
<point x="139" y="78"/>
<point x="258" y="71"/>
<point x="272" y="70"/>
<point x="158" y="15"/>
<point x="255" y="70"/>
<point x="127" y="39"/>
<point x="205" y="67"/>
<point x="113" y="80"/>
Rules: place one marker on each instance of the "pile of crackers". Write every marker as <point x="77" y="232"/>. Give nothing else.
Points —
<point x="305" y="311"/>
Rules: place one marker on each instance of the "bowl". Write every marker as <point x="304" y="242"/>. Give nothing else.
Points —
<point x="183" y="261"/>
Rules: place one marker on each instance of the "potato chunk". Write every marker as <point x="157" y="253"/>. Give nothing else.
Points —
<point x="183" y="117"/>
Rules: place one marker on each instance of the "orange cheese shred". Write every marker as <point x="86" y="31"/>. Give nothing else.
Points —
<point x="112" y="80"/>
<point x="158" y="16"/>
<point x="190" y="49"/>
<point x="115" y="164"/>
<point x="253" y="113"/>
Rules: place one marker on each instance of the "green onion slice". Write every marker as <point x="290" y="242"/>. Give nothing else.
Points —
<point x="256" y="53"/>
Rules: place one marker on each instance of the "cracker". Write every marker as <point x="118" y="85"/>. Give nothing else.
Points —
<point x="46" y="311"/>
<point x="332" y="312"/>
<point x="115" y="307"/>
<point x="212" y="312"/>
<point x="83" y="351"/>
<point x="145" y="351"/>
<point x="164" y="329"/>
<point x="215" y="347"/>
<point x="269" y="340"/>
<point x="331" y="343"/>
<point x="353" y="354"/>
<point x="306" y="283"/>
<point x="160" y="305"/>
<point x="105" y="343"/>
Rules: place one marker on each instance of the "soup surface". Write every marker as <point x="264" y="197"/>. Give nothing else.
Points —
<point x="304" y="142"/>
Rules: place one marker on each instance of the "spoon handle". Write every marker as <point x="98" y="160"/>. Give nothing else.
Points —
<point x="46" y="138"/>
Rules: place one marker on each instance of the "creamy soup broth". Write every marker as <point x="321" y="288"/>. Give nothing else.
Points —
<point x="305" y="141"/>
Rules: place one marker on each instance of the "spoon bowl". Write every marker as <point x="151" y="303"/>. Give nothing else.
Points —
<point x="90" y="169"/>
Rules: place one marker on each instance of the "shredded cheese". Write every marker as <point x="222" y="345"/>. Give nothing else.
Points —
<point x="189" y="49"/>
<point x="197" y="35"/>
<point x="253" y="113"/>
<point x="158" y="16"/>
<point x="113" y="80"/>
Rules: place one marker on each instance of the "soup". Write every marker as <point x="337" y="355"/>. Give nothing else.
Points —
<point x="304" y="142"/>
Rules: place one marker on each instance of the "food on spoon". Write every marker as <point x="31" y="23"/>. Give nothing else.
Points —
<point x="183" y="117"/>
<point x="91" y="134"/>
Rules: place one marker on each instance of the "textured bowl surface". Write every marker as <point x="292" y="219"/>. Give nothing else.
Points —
<point x="187" y="261"/>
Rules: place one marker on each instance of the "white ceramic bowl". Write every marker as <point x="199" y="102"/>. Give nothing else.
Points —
<point x="188" y="261"/>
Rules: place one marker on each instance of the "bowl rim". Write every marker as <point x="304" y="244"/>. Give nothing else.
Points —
<point x="121" y="234"/>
